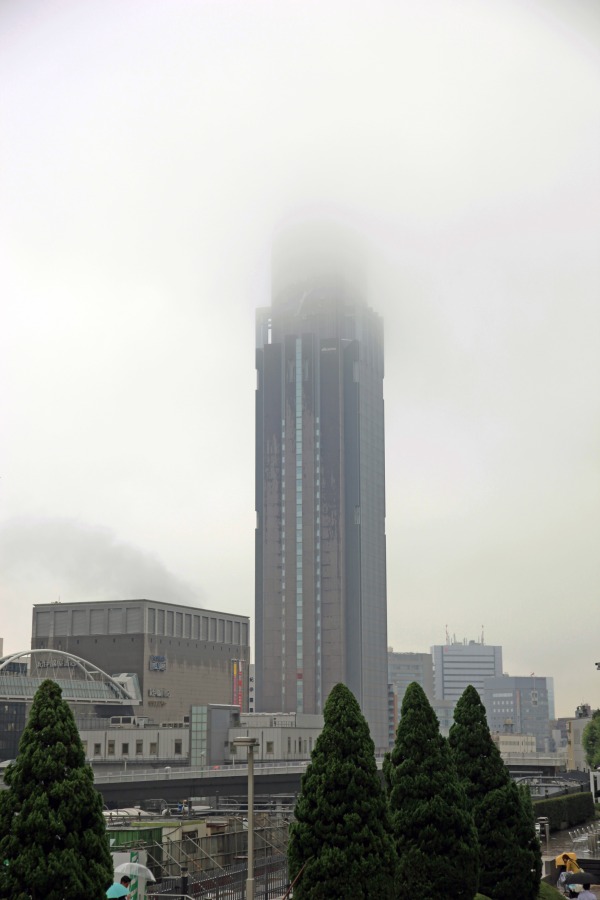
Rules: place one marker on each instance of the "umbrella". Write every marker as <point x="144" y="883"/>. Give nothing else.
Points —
<point x="135" y="870"/>
<point x="117" y="890"/>
<point x="559" y="858"/>
<point x="580" y="878"/>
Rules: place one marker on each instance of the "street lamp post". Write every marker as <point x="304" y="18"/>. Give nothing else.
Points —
<point x="249" y="743"/>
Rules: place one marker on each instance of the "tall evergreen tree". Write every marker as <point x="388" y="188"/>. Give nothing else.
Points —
<point x="510" y="857"/>
<point x="591" y="741"/>
<point x="340" y="844"/>
<point x="432" y="826"/>
<point x="52" y="831"/>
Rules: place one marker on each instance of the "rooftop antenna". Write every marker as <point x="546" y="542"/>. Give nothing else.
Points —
<point x="448" y="637"/>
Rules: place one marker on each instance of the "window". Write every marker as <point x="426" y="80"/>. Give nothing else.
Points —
<point x="139" y="748"/>
<point x="153" y="748"/>
<point x="111" y="748"/>
<point x="269" y="747"/>
<point x="178" y="745"/>
<point x="124" y="749"/>
<point x="97" y="749"/>
<point x="84" y="746"/>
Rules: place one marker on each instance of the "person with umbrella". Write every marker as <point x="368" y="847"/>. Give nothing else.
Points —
<point x="567" y="865"/>
<point x="119" y="890"/>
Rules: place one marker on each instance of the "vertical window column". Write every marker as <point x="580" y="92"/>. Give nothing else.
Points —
<point x="282" y="544"/>
<point x="299" y="583"/>
<point x="319" y="697"/>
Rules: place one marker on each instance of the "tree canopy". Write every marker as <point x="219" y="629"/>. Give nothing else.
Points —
<point x="435" y="837"/>
<point x="340" y="842"/>
<point x="591" y="741"/>
<point x="510" y="859"/>
<point x="52" y="831"/>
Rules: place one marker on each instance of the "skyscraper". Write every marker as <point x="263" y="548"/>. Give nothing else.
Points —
<point x="320" y="483"/>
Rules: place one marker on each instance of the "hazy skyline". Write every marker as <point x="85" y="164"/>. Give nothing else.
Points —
<point x="150" y="152"/>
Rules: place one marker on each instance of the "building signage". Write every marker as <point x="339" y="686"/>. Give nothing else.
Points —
<point x="157" y="663"/>
<point x="158" y="692"/>
<point x="56" y="664"/>
<point x="238" y="683"/>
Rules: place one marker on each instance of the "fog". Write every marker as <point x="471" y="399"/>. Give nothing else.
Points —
<point x="152" y="151"/>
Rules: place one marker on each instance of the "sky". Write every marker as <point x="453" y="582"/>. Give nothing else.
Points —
<point x="149" y="152"/>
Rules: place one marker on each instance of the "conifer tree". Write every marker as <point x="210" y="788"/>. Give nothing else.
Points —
<point x="591" y="741"/>
<point x="432" y="826"/>
<point x="340" y="844"/>
<point x="510" y="858"/>
<point x="52" y="832"/>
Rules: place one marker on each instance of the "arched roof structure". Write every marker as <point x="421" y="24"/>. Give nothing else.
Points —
<point x="81" y="682"/>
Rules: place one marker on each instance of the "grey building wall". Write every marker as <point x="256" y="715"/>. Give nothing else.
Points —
<point x="181" y="655"/>
<point x="320" y="498"/>
<point x="404" y="668"/>
<point x="456" y="665"/>
<point x="518" y="704"/>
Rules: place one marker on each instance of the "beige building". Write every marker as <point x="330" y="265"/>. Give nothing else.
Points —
<point x="575" y="752"/>
<point x="514" y="743"/>
<point x="280" y="736"/>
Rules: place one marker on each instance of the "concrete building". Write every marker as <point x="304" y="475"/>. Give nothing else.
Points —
<point x="404" y="668"/>
<point x="576" y="760"/>
<point x="519" y="744"/>
<point x="444" y="710"/>
<point x="320" y="485"/>
<point x="458" y="664"/>
<point x="182" y="656"/>
<point x="518" y="705"/>
<point x="281" y="737"/>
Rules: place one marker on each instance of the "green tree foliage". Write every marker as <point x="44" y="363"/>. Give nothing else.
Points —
<point x="52" y="831"/>
<point x="340" y="843"/>
<point x="591" y="741"/>
<point x="510" y="858"/>
<point x="432" y="826"/>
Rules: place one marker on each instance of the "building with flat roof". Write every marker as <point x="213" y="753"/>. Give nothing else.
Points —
<point x="518" y="705"/>
<point x="183" y="656"/>
<point x="458" y="664"/>
<point x="321" y="614"/>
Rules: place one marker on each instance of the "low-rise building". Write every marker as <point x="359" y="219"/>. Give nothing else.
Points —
<point x="281" y="736"/>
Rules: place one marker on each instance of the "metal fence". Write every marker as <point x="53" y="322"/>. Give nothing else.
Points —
<point x="270" y="882"/>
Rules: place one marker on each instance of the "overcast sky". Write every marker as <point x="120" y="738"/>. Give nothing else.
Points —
<point x="149" y="151"/>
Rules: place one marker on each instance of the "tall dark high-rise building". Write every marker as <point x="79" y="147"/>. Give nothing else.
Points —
<point x="321" y="613"/>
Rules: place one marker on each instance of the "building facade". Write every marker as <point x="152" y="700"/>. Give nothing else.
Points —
<point x="281" y="738"/>
<point x="182" y="656"/>
<point x="320" y="487"/>
<point x="458" y="664"/>
<point x="404" y="668"/>
<point x="518" y="705"/>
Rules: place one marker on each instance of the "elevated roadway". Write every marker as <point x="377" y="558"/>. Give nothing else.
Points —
<point x="175" y="785"/>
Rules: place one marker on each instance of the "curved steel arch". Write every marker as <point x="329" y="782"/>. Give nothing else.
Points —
<point x="91" y="672"/>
